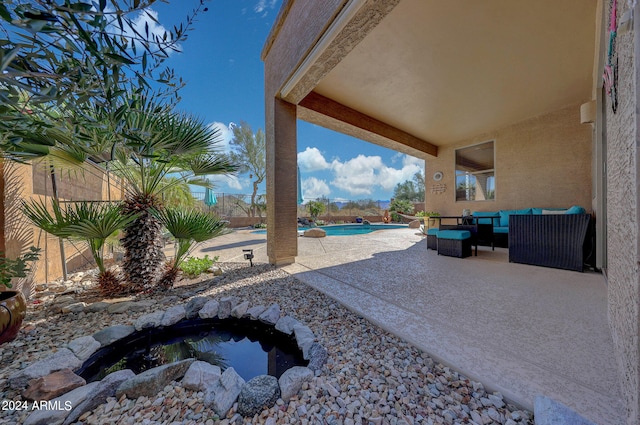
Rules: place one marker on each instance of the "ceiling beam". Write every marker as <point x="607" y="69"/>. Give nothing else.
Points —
<point x="330" y="108"/>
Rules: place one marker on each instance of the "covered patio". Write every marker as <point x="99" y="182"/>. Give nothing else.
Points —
<point x="431" y="78"/>
<point x="521" y="330"/>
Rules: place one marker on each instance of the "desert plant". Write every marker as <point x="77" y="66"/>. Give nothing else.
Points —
<point x="400" y="206"/>
<point x="159" y="141"/>
<point x="194" y="266"/>
<point x="19" y="267"/>
<point x="188" y="227"/>
<point x="315" y="209"/>
<point x="91" y="222"/>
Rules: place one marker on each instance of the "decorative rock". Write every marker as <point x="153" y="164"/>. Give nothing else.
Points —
<point x="98" y="394"/>
<point x="193" y="307"/>
<point x="254" y="312"/>
<point x="65" y="299"/>
<point x="53" y="385"/>
<point x="271" y="315"/>
<point x="62" y="405"/>
<point x="240" y="310"/>
<point x="259" y="393"/>
<point x="415" y="224"/>
<point x="292" y="379"/>
<point x="315" y="233"/>
<point x="226" y="305"/>
<point x="285" y="324"/>
<point x="96" y="307"/>
<point x="224" y="392"/>
<point x="199" y="375"/>
<point x="151" y="320"/>
<point x="84" y="347"/>
<point x="61" y="359"/>
<point x="113" y="333"/>
<point x="152" y="381"/>
<point x="74" y="308"/>
<point x="129" y="306"/>
<point x="548" y="412"/>
<point x="209" y="310"/>
<point x="318" y="356"/>
<point x="217" y="271"/>
<point x="304" y="338"/>
<point x="173" y="315"/>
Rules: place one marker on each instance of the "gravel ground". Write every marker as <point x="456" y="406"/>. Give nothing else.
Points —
<point x="371" y="376"/>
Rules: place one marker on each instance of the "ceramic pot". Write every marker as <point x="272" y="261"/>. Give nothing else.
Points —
<point x="13" y="308"/>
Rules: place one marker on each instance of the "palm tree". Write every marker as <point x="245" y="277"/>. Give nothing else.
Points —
<point x="159" y="143"/>
<point x="188" y="227"/>
<point x="90" y="221"/>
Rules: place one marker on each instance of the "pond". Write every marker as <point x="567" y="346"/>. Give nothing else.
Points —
<point x="250" y="347"/>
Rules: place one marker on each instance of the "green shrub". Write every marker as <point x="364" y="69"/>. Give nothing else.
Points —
<point x="194" y="266"/>
<point x="18" y="267"/>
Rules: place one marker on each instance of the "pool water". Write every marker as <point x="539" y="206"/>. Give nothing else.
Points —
<point x="350" y="229"/>
<point x="250" y="347"/>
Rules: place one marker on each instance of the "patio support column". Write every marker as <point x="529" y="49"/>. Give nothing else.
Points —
<point x="282" y="207"/>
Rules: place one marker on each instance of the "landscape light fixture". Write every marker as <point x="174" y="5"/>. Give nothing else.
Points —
<point x="248" y="255"/>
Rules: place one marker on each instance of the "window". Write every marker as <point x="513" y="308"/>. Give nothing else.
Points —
<point x="475" y="179"/>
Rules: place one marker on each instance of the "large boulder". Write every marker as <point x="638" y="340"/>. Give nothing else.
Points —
<point x="271" y="315"/>
<point x="315" y="233"/>
<point x="259" y="393"/>
<point x="221" y="394"/>
<point x="111" y="334"/>
<point x="61" y="359"/>
<point x="84" y="347"/>
<point x="226" y="305"/>
<point x="98" y="394"/>
<point x="173" y="315"/>
<point x="53" y="385"/>
<point x="200" y="374"/>
<point x="61" y="404"/>
<point x="193" y="307"/>
<point x="209" y="310"/>
<point x="292" y="379"/>
<point x="152" y="381"/>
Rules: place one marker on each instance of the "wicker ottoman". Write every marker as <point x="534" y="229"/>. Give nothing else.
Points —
<point x="454" y="243"/>
<point x="432" y="239"/>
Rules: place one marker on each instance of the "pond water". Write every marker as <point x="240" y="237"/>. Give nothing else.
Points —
<point x="250" y="347"/>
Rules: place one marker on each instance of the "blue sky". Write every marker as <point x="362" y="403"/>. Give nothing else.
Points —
<point x="220" y="62"/>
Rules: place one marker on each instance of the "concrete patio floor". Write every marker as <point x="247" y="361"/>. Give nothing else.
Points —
<point x="521" y="330"/>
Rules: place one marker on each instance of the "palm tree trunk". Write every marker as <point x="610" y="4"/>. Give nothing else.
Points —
<point x="143" y="257"/>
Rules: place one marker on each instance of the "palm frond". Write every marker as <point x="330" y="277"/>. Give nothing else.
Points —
<point x="212" y="164"/>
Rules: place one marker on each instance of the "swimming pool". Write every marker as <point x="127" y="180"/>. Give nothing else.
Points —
<point x="350" y="229"/>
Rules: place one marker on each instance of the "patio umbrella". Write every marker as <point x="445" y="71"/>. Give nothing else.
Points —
<point x="209" y="197"/>
<point x="300" y="197"/>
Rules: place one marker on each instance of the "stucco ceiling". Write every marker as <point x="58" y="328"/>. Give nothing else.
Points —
<point x="445" y="71"/>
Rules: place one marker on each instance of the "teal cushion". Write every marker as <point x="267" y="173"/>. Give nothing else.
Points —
<point x="538" y="211"/>
<point x="454" y="234"/>
<point x="576" y="210"/>
<point x="504" y="215"/>
<point x="433" y="232"/>
<point x="504" y="230"/>
<point x="488" y="214"/>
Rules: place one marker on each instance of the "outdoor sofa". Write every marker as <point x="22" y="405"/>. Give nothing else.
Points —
<point x="545" y="237"/>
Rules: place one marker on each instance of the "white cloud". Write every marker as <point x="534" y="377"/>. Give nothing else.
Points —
<point x="313" y="188"/>
<point x="363" y="174"/>
<point x="229" y="180"/>
<point x="225" y="134"/>
<point x="148" y="18"/>
<point x="312" y="160"/>
<point x="262" y="5"/>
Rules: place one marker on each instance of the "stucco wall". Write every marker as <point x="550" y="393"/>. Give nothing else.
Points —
<point x="26" y="181"/>
<point x="622" y="222"/>
<point x="540" y="162"/>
